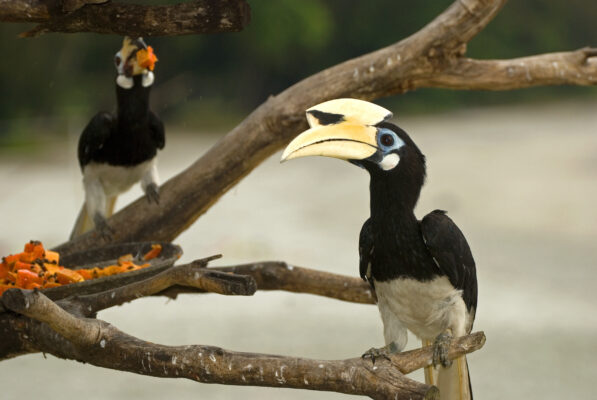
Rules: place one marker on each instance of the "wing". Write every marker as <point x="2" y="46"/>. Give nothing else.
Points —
<point x="157" y="130"/>
<point x="449" y="248"/>
<point x="365" y="251"/>
<point x="94" y="137"/>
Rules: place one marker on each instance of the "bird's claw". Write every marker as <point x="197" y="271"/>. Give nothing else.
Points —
<point x="441" y="347"/>
<point x="375" y="354"/>
<point x="153" y="194"/>
<point x="102" y="228"/>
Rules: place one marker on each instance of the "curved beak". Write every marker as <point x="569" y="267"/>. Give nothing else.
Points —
<point x="344" y="140"/>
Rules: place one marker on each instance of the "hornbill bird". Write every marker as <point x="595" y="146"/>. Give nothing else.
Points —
<point x="117" y="150"/>
<point x="423" y="271"/>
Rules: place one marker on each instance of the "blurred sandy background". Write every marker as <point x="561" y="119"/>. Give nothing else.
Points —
<point x="520" y="182"/>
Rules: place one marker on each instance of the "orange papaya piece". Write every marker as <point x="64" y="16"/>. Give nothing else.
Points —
<point x="39" y="251"/>
<point x="25" y="278"/>
<point x="125" y="258"/>
<point x="11" y="259"/>
<point x="66" y="276"/>
<point x="4" y="270"/>
<point x="22" y="265"/>
<point x="52" y="268"/>
<point x="155" y="251"/>
<point x="11" y="277"/>
<point x="52" y="257"/>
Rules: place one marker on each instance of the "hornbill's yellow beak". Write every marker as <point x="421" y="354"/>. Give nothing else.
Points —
<point x="341" y="128"/>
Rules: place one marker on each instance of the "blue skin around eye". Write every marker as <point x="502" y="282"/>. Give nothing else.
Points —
<point x="397" y="141"/>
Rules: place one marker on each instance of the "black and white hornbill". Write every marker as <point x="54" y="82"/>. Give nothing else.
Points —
<point x="117" y="151"/>
<point x="423" y="271"/>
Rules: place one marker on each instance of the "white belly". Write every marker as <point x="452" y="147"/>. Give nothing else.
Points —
<point x="116" y="179"/>
<point x="425" y="308"/>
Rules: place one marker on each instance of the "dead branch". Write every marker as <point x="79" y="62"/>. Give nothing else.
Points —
<point x="432" y="57"/>
<point x="193" y="275"/>
<point x="101" y="344"/>
<point x="278" y="275"/>
<point x="193" y="17"/>
<point x="573" y="67"/>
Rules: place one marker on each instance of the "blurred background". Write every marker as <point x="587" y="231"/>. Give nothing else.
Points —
<point x="516" y="170"/>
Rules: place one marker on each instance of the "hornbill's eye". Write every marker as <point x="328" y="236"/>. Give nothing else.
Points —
<point x="387" y="140"/>
<point x="117" y="60"/>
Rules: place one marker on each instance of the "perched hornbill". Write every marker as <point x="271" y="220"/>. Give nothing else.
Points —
<point x="116" y="151"/>
<point x="423" y="272"/>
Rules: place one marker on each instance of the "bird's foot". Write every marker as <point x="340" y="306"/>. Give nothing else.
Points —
<point x="102" y="228"/>
<point x="382" y="352"/>
<point x="441" y="347"/>
<point x="153" y="194"/>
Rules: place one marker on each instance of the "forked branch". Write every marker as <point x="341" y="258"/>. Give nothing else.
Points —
<point x="432" y="57"/>
<point x="99" y="343"/>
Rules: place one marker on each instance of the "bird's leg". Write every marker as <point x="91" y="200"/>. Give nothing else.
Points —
<point x="441" y="346"/>
<point x="152" y="192"/>
<point x="382" y="352"/>
<point x="149" y="183"/>
<point x="102" y="227"/>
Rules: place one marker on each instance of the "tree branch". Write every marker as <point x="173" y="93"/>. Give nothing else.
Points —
<point x="278" y="275"/>
<point x="429" y="58"/>
<point x="193" y="275"/>
<point x="573" y="67"/>
<point x="193" y="17"/>
<point x="101" y="344"/>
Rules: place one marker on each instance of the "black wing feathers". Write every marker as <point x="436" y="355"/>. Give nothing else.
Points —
<point x="94" y="137"/>
<point x="156" y="128"/>
<point x="365" y="250"/>
<point x="449" y="248"/>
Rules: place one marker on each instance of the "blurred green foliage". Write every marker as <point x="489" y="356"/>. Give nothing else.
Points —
<point x="55" y="83"/>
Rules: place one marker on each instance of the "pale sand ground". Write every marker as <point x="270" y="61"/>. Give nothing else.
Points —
<point x="521" y="184"/>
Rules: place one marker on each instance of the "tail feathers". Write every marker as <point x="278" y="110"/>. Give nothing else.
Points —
<point x="430" y="371"/>
<point x="454" y="382"/>
<point x="84" y="221"/>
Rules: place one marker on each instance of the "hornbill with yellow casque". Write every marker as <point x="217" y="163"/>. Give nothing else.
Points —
<point x="423" y="271"/>
<point x="118" y="150"/>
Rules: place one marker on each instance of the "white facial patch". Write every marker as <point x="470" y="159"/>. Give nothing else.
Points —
<point x="147" y="79"/>
<point x="390" y="161"/>
<point x="124" y="82"/>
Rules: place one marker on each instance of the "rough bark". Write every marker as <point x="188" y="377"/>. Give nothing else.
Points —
<point x="99" y="343"/>
<point x="278" y="275"/>
<point x="194" y="277"/>
<point x="432" y="57"/>
<point x="193" y="17"/>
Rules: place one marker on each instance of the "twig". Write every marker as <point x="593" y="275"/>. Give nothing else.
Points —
<point x="432" y="57"/>
<point x="193" y="17"/>
<point x="193" y="275"/>
<point x="101" y="344"/>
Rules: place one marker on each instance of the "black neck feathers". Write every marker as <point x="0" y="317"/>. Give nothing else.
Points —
<point x="133" y="103"/>
<point x="399" y="249"/>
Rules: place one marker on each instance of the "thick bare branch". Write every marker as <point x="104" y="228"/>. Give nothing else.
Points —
<point x="278" y="275"/>
<point x="430" y="57"/>
<point x="574" y="67"/>
<point x="101" y="344"/>
<point x="193" y="275"/>
<point x="193" y="17"/>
